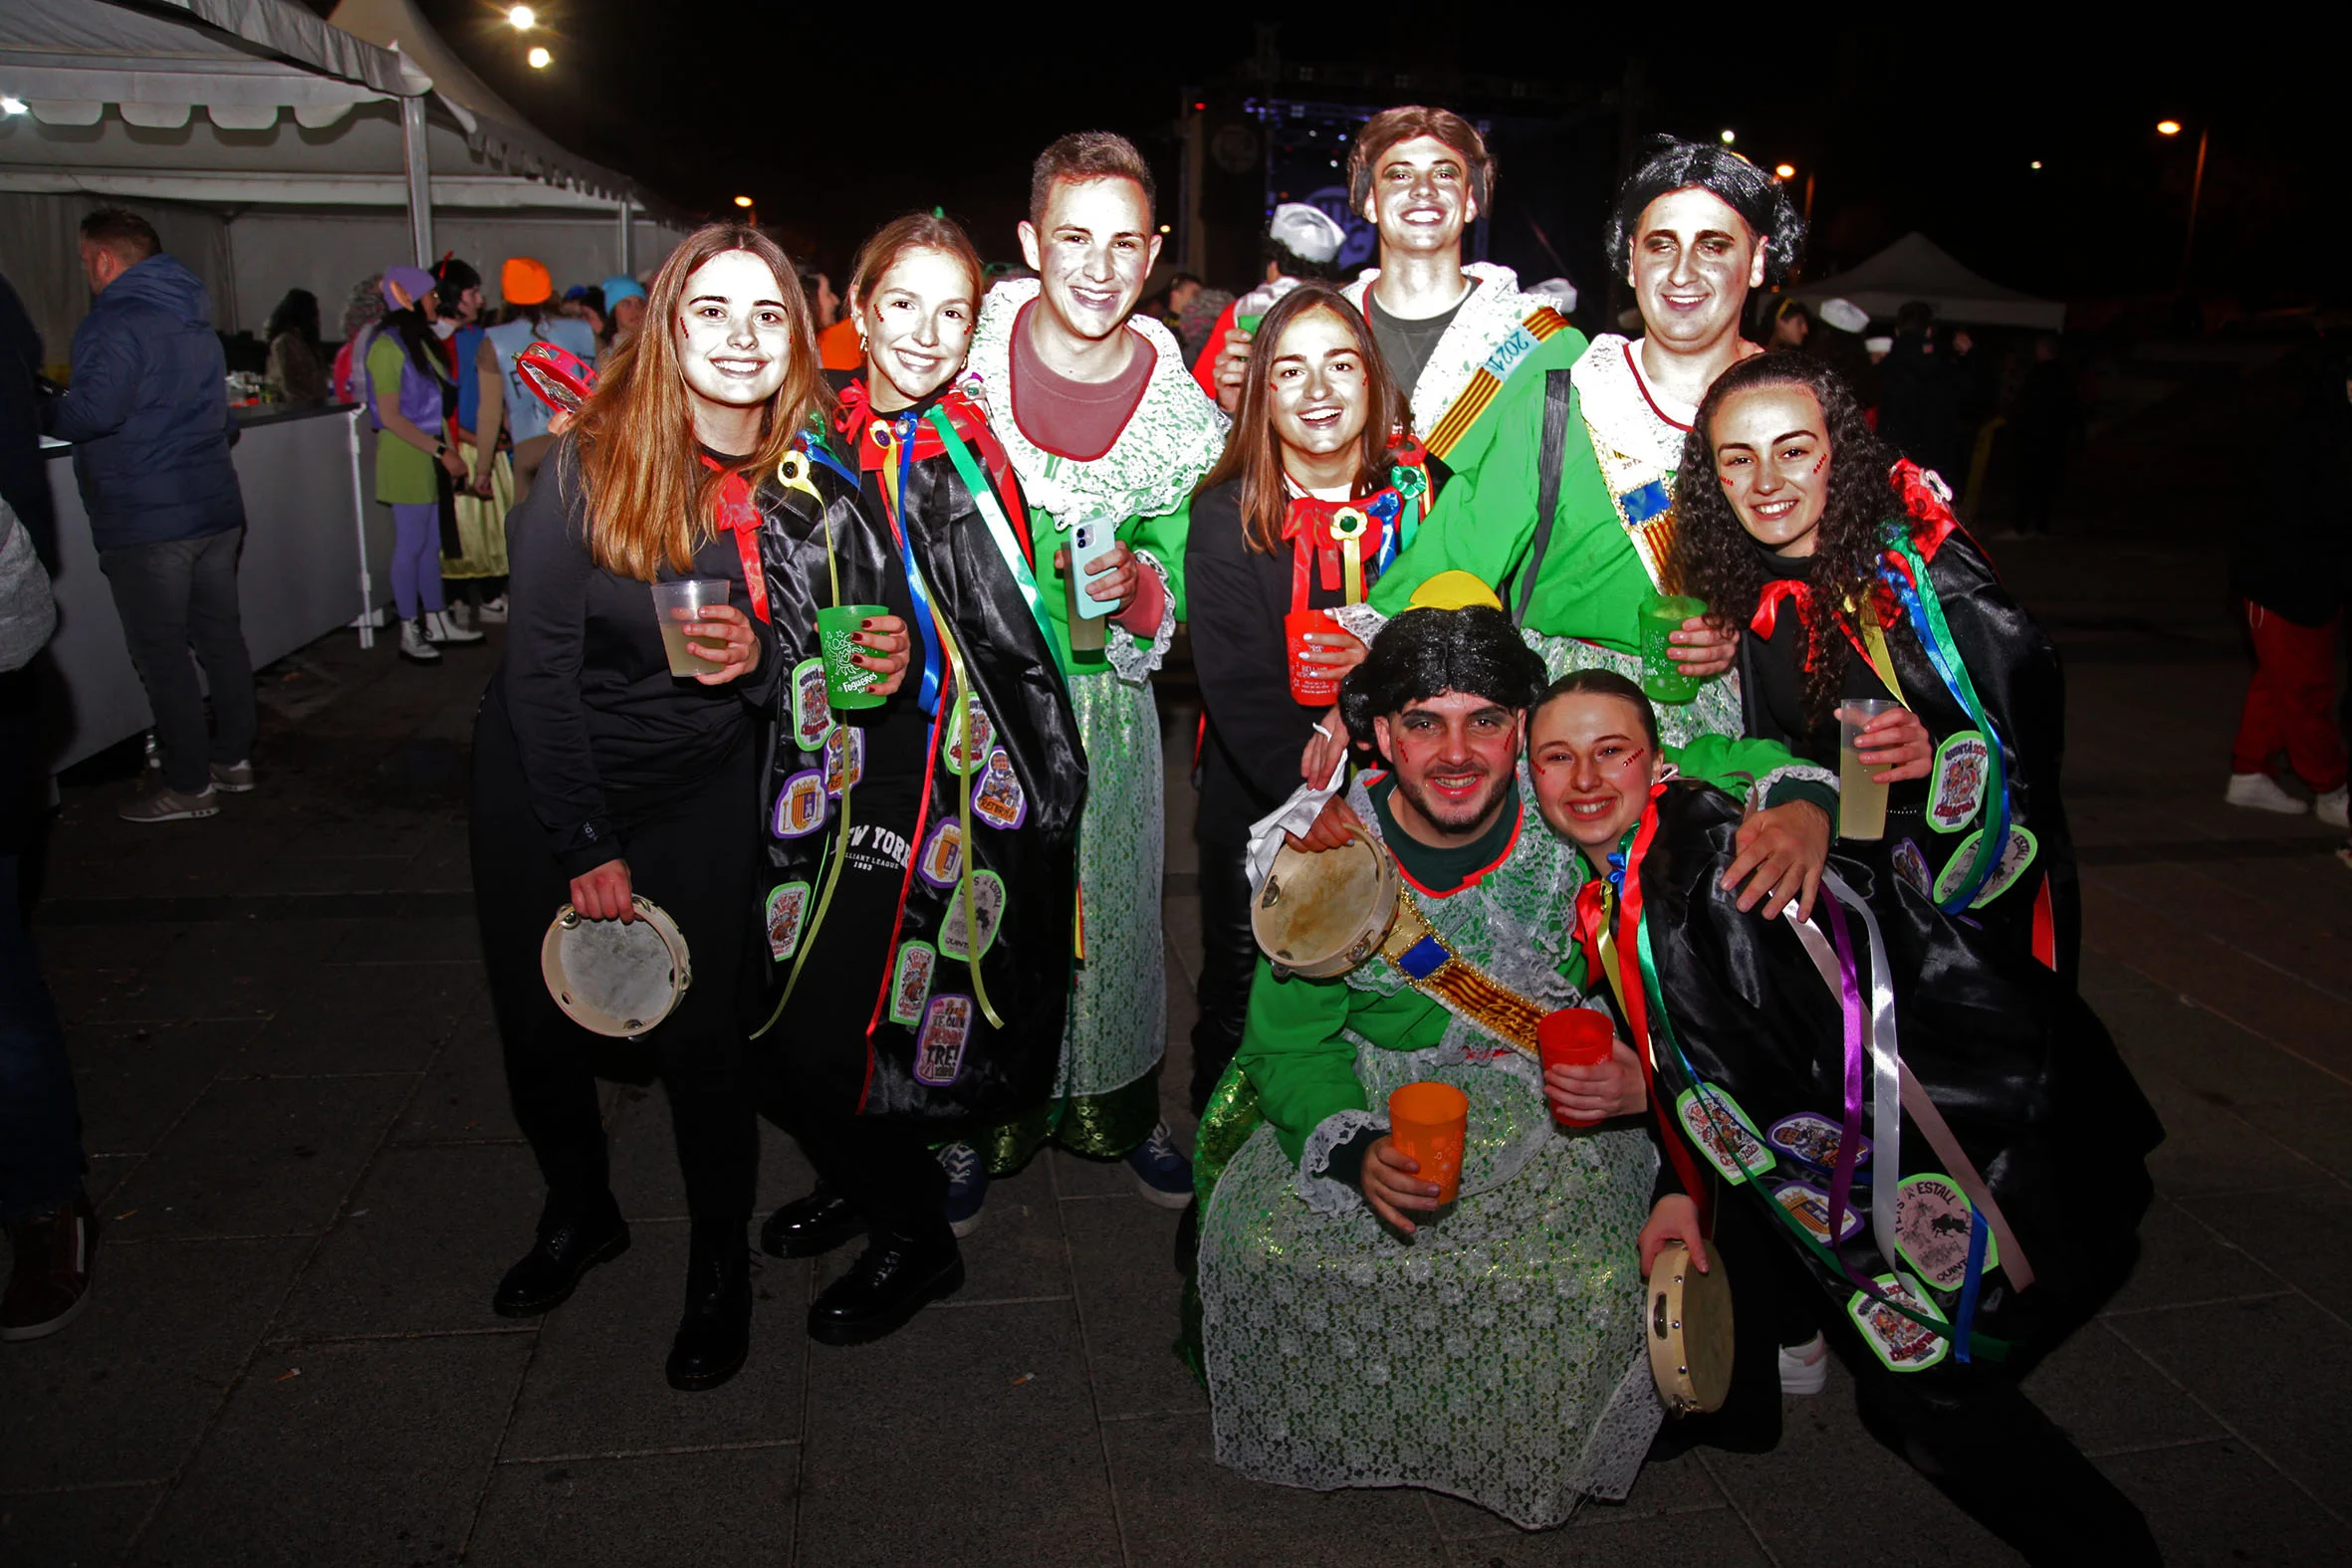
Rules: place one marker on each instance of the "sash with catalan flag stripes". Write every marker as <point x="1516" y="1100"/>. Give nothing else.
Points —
<point x="1487" y="380"/>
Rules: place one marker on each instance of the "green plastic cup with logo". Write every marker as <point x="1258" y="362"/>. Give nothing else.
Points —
<point x="1661" y="677"/>
<point x="848" y="684"/>
<point x="1250" y="323"/>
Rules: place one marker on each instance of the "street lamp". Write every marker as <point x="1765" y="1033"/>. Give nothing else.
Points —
<point x="522" y="17"/>
<point x="2172" y="127"/>
<point x="2167" y="127"/>
<point x="1786" y="170"/>
<point x="743" y="201"/>
<point x="539" y="59"/>
<point x="1728" y="138"/>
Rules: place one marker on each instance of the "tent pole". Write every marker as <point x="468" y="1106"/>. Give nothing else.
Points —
<point x="366" y="620"/>
<point x="628" y="264"/>
<point x="420" y="181"/>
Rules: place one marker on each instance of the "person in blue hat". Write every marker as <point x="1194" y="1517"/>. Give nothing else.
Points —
<point x="624" y="308"/>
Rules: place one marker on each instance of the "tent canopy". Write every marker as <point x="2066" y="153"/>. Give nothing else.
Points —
<point x="1916" y="268"/>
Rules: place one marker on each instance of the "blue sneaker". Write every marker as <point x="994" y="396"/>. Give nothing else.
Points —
<point x="1162" y="1174"/>
<point x="967" y="1187"/>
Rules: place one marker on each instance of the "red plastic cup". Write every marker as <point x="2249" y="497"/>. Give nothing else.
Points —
<point x="1431" y="1122"/>
<point x="1313" y="685"/>
<point x="1572" y="1037"/>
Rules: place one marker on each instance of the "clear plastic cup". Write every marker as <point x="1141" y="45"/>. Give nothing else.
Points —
<point x="675" y="605"/>
<point x="1861" y="799"/>
<point x="1661" y="678"/>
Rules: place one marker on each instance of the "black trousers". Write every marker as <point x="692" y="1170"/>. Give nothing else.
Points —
<point x="882" y="1165"/>
<point x="693" y="851"/>
<point x="1969" y="1430"/>
<point x="1229" y="962"/>
<point x="172" y="596"/>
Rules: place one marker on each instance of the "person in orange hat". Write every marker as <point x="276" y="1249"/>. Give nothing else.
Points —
<point x="530" y="318"/>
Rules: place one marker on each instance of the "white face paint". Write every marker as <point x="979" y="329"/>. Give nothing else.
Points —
<point x="1420" y="199"/>
<point x="1694" y="260"/>
<point x="1092" y="253"/>
<point x="918" y="326"/>
<point x="734" y="332"/>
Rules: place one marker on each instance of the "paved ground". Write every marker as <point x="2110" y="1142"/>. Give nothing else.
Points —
<point x="312" y="1183"/>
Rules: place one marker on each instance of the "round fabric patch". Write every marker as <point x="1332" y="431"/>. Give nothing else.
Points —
<point x="1813" y="1139"/>
<point x="799" y="805"/>
<point x="1904" y="1345"/>
<point x="1957" y="794"/>
<point x="988" y="904"/>
<point x="2016" y="856"/>
<point x="1933" y="1217"/>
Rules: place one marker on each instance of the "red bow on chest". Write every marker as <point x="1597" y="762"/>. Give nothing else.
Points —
<point x="1322" y="533"/>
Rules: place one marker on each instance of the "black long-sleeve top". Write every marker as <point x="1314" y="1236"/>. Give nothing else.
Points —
<point x="1234" y="600"/>
<point x="585" y="682"/>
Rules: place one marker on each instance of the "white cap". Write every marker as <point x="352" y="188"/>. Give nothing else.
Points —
<point x="1307" y="232"/>
<point x="1559" y="292"/>
<point x="1879" y="344"/>
<point x="1844" y="315"/>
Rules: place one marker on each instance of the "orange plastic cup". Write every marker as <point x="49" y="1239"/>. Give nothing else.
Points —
<point x="1572" y="1037"/>
<point x="1315" y="685"/>
<point x="1431" y="1122"/>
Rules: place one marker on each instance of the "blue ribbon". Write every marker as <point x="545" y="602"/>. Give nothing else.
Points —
<point x="1966" y="1318"/>
<point x="928" y="699"/>
<point x="816" y="452"/>
<point x="1942" y="658"/>
<point x="1386" y="506"/>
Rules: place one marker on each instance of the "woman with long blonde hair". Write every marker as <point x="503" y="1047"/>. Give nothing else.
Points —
<point x="599" y="776"/>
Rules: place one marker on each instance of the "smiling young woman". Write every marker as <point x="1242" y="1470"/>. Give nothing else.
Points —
<point x="600" y="774"/>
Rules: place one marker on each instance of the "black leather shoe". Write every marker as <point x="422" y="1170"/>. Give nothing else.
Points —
<point x="715" y="1335"/>
<point x="565" y="1249"/>
<point x="893" y="1279"/>
<point x="808" y="1227"/>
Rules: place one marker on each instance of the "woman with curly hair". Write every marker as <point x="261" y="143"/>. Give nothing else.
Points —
<point x="1858" y="582"/>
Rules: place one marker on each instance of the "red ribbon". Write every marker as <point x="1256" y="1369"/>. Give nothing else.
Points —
<point x="733" y="510"/>
<point x="1637" y="1005"/>
<point x="856" y="420"/>
<point x="1307" y="525"/>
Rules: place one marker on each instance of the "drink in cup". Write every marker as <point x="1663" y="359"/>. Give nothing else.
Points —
<point x="848" y="684"/>
<point x="1661" y="678"/>
<point x="677" y="605"/>
<point x="1315" y="685"/>
<point x="1572" y="1037"/>
<point x="1430" y="1122"/>
<point x="1861" y="799"/>
<point x="1249" y="322"/>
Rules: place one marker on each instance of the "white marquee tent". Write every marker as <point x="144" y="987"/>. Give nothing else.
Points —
<point x="1916" y="268"/>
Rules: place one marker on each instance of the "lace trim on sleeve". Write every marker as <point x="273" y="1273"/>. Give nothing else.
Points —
<point x="1325" y="1194"/>
<point x="1759" y="793"/>
<point x="1132" y="660"/>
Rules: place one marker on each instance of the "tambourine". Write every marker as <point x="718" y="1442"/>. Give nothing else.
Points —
<point x="559" y="377"/>
<point x="1323" y="912"/>
<point x="1687" y="1323"/>
<point x="612" y="976"/>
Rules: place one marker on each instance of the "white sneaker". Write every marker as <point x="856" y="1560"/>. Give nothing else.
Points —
<point x="491" y="612"/>
<point x="413" y="646"/>
<point x="439" y="626"/>
<point x="2331" y="808"/>
<point x="1804" y="1369"/>
<point x="2261" y="793"/>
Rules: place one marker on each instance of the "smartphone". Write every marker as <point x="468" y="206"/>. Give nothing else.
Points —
<point x="1089" y="542"/>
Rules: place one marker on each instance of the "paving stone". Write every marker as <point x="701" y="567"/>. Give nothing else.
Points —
<point x="380" y="1017"/>
<point x="134" y="1080"/>
<point x="393" y="1441"/>
<point x="2208" y="1150"/>
<point x="445" y="938"/>
<point x="2312" y="1126"/>
<point x="1714" y="1536"/>
<point x="427" y="1233"/>
<point x="73" y="1529"/>
<point x="909" y="1441"/>
<point x="2276" y="1370"/>
<point x="2217" y="1502"/>
<point x="1179" y="1507"/>
<point x="230" y="969"/>
<point x="2181" y="1263"/>
<point x="689" y="1510"/>
<point x="1017" y="1254"/>
<point x="1676" y="1485"/>
<point x="644" y="1156"/>
<point x="2106" y="1397"/>
<point x="2302" y="1235"/>
<point x="123" y="1393"/>
<point x="260" y="1157"/>
<point x="464" y="1095"/>
<point x="597" y="1384"/>
<point x="1123" y="1261"/>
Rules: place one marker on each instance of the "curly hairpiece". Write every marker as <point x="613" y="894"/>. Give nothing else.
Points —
<point x="1424" y="653"/>
<point x="1674" y="165"/>
<point x="1714" y="558"/>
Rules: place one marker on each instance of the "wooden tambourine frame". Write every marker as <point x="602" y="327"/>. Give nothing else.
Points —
<point x="588" y="1015"/>
<point x="1687" y="1325"/>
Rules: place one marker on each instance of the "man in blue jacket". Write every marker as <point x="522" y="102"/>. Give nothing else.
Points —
<point x="149" y="414"/>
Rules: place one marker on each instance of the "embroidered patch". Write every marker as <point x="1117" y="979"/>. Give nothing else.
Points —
<point x="1904" y="1345"/>
<point x="800" y="805"/>
<point x="2016" y="856"/>
<point x="786" y="906"/>
<point x="961" y="753"/>
<point x="1724" y="1133"/>
<point x="910" y="982"/>
<point x="942" y="859"/>
<point x="844" y="758"/>
<point x="1813" y="1139"/>
<point x="988" y="907"/>
<point x="939" y="1048"/>
<point x="1961" y="764"/>
<point x="1810" y="1206"/>
<point x="812" y="715"/>
<point x="1931" y="1222"/>
<point x="998" y="800"/>
<point x="1911" y="865"/>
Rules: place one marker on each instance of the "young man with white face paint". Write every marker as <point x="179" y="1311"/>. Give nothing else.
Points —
<point x="1108" y="430"/>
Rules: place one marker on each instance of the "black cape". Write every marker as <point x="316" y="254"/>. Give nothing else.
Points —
<point x="2021" y="1069"/>
<point x="926" y="1051"/>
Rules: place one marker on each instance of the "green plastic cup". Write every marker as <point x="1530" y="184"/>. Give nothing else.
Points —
<point x="1661" y="677"/>
<point x="848" y="684"/>
<point x="1250" y="323"/>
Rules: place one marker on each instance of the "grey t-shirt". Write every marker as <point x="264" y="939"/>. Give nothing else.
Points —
<point x="1407" y="345"/>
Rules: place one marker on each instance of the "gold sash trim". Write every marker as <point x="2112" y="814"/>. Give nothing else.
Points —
<point x="1622" y="475"/>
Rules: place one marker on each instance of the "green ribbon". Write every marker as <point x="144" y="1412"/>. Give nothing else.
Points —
<point x="1993" y="836"/>
<point x="1000" y="529"/>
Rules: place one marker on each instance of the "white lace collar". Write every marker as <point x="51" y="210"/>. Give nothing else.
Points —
<point x="1486" y="317"/>
<point x="1172" y="438"/>
<point x="1625" y="409"/>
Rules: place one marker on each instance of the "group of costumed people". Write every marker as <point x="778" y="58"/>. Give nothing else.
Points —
<point x="1412" y="533"/>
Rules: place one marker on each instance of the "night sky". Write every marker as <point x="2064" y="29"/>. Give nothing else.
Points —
<point x="837" y="120"/>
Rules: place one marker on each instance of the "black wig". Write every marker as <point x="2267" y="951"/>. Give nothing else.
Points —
<point x="1425" y="653"/>
<point x="1673" y="165"/>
